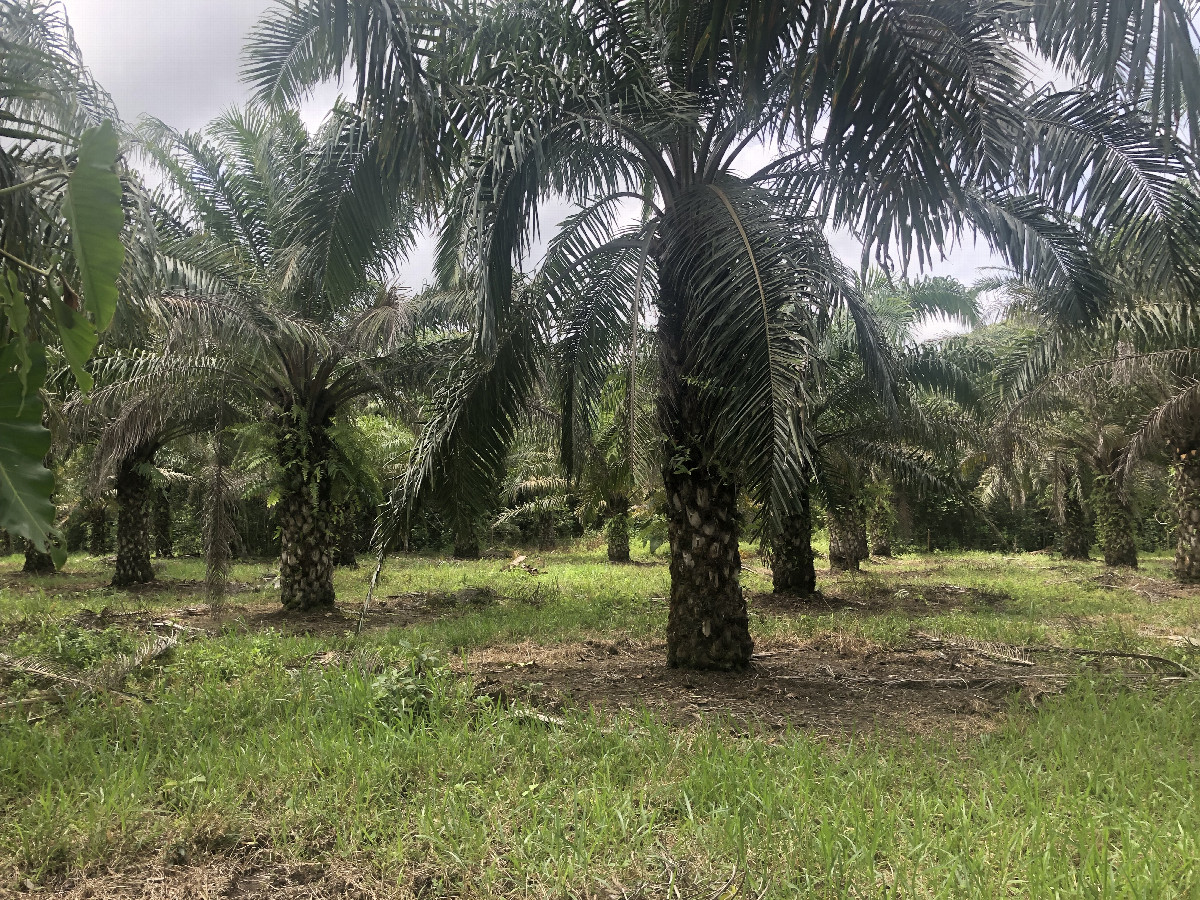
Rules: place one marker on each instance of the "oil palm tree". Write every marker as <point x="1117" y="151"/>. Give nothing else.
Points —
<point x="863" y="442"/>
<point x="906" y="122"/>
<point x="295" y="233"/>
<point x="619" y="455"/>
<point x="1079" y="418"/>
<point x="1165" y="340"/>
<point x="128" y="430"/>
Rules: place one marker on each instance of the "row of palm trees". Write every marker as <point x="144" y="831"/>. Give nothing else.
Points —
<point x="1083" y="417"/>
<point x="774" y="373"/>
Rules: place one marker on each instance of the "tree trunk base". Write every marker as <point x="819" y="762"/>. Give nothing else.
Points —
<point x="1114" y="520"/>
<point x="879" y="529"/>
<point x="847" y="540"/>
<point x="547" y="535"/>
<point x="127" y="578"/>
<point x="133" y="526"/>
<point x="466" y="550"/>
<point x="306" y="557"/>
<point x="617" y="535"/>
<point x="707" y="626"/>
<point x="1187" y="482"/>
<point x="1076" y="537"/>
<point x="793" y="565"/>
<point x="37" y="562"/>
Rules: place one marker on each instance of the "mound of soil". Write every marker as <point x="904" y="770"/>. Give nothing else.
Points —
<point x="832" y="684"/>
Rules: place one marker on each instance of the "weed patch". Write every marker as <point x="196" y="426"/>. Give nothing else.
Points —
<point x="523" y="737"/>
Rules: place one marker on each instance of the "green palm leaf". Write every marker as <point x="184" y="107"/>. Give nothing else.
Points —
<point x="93" y="208"/>
<point x="25" y="483"/>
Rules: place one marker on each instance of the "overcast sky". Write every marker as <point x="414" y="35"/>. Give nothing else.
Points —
<point x="179" y="60"/>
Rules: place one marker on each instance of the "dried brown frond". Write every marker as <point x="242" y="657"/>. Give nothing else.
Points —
<point x="45" y="669"/>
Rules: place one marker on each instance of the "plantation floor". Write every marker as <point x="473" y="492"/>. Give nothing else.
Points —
<point x="934" y="726"/>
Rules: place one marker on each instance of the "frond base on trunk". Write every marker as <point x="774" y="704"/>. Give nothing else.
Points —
<point x="133" y="526"/>
<point x="847" y="539"/>
<point x="616" y="534"/>
<point x="793" y="566"/>
<point x="708" y="626"/>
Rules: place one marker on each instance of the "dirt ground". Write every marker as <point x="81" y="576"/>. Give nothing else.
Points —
<point x="918" y="598"/>
<point x="261" y="874"/>
<point x="242" y="612"/>
<point x="246" y="875"/>
<point x="830" y="684"/>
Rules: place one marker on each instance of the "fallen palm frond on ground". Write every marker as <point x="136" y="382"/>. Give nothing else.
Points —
<point x="1116" y="654"/>
<point x="1005" y="653"/>
<point x="678" y="883"/>
<point x="109" y="677"/>
<point x="1019" y="656"/>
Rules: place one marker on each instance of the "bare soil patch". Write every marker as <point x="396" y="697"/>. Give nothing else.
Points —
<point x="831" y="684"/>
<point x="258" y="875"/>
<point x="392" y="611"/>
<point x="875" y="596"/>
<point x="1150" y="588"/>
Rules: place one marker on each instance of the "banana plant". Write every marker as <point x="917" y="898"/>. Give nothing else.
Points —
<point x="61" y="248"/>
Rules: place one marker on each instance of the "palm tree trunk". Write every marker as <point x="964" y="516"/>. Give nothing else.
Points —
<point x="880" y="530"/>
<point x="904" y="518"/>
<point x="98" y="544"/>
<point x="1187" y="485"/>
<point x="346" y="536"/>
<point x="707" y="625"/>
<point x="37" y="562"/>
<point x="164" y="535"/>
<point x="347" y="557"/>
<point x="305" y="514"/>
<point x="617" y="530"/>
<point x="1076" y="540"/>
<point x="466" y="541"/>
<point x="133" y="525"/>
<point x="1114" y="522"/>
<point x="6" y="544"/>
<point x="793" y="570"/>
<point x="547" y="531"/>
<point x="847" y="538"/>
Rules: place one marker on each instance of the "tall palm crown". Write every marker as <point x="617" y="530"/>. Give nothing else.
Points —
<point x="289" y="236"/>
<point x="905" y="121"/>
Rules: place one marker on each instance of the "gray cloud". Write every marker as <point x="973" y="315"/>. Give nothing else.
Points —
<point x="174" y="59"/>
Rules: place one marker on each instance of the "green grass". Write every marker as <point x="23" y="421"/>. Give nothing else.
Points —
<point x="1093" y="794"/>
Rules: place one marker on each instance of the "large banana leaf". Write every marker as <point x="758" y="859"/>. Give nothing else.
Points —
<point x="25" y="483"/>
<point x="93" y="207"/>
